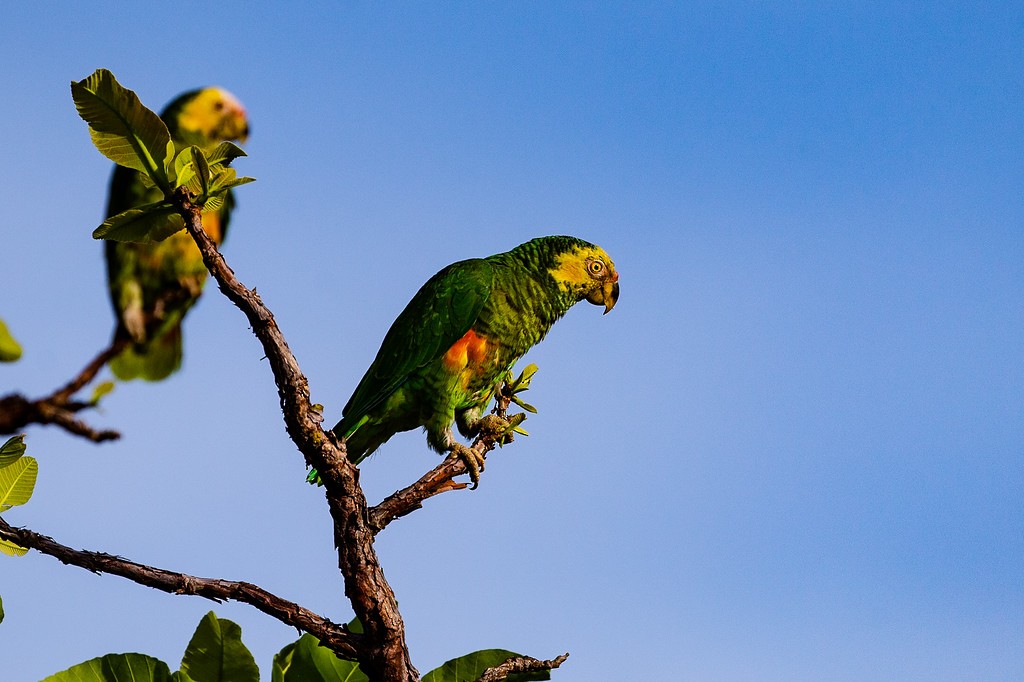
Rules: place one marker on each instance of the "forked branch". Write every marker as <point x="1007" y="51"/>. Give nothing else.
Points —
<point x="58" y="408"/>
<point x="439" y="479"/>
<point x="384" y="655"/>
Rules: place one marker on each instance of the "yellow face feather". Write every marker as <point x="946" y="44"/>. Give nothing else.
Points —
<point x="215" y="114"/>
<point x="589" y="273"/>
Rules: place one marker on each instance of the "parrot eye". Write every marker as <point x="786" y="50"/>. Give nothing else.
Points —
<point x="218" y="105"/>
<point x="596" y="267"/>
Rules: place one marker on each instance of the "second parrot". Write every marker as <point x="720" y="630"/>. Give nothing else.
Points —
<point x="152" y="286"/>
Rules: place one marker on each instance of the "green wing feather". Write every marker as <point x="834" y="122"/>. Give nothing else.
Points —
<point x="440" y="313"/>
<point x="135" y="287"/>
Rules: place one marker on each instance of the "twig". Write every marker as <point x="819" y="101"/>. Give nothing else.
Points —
<point x="88" y="372"/>
<point x="330" y="634"/>
<point x="17" y="411"/>
<point x="384" y="655"/>
<point x="493" y="431"/>
<point x="522" y="664"/>
<point x="436" y="481"/>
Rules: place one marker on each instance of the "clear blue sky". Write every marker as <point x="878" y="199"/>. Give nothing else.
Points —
<point x="794" y="451"/>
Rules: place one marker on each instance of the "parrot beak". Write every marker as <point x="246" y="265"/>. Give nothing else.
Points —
<point x="234" y="119"/>
<point x="234" y="124"/>
<point x="606" y="295"/>
<point x="241" y="126"/>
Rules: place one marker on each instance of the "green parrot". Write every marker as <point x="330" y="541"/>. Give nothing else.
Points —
<point x="152" y="286"/>
<point x="462" y="332"/>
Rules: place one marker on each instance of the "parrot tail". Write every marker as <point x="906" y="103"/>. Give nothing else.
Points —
<point x="152" y="361"/>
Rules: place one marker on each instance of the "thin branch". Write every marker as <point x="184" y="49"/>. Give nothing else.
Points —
<point x="88" y="372"/>
<point x="330" y="634"/>
<point x="522" y="664"/>
<point x="494" y="431"/>
<point x="17" y="411"/>
<point x="63" y="416"/>
<point x="384" y="655"/>
<point x="436" y="481"/>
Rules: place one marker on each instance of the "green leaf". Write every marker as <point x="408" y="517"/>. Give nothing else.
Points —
<point x="282" y="662"/>
<point x="225" y="177"/>
<point x="216" y="653"/>
<point x="244" y="180"/>
<point x="529" y="371"/>
<point x="123" y="129"/>
<point x="523" y="382"/>
<point x="145" y="224"/>
<point x="12" y="450"/>
<point x="213" y="203"/>
<point x="225" y="153"/>
<point x="526" y="406"/>
<point x="202" y="171"/>
<point x="116" y="668"/>
<point x="10" y="349"/>
<point x="515" y="420"/>
<point x="307" y="661"/>
<point x="1" y="609"/>
<point x="182" y="171"/>
<point x="102" y="389"/>
<point x="11" y="549"/>
<point x="17" y="481"/>
<point x="471" y="666"/>
<point x="355" y="625"/>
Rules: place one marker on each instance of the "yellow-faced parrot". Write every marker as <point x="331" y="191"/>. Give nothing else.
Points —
<point x="461" y="333"/>
<point x="152" y="286"/>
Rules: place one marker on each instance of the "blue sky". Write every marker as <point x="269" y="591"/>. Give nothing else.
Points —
<point x="792" y="452"/>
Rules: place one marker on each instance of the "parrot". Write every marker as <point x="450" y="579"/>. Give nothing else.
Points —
<point x="152" y="286"/>
<point x="462" y="332"/>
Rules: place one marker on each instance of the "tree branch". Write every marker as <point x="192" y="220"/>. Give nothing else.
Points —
<point x="88" y="372"/>
<point x="384" y="655"/>
<point x="523" y="664"/>
<point x="439" y="479"/>
<point x="330" y="634"/>
<point x="17" y="411"/>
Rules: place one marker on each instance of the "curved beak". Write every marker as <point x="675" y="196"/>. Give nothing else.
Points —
<point x="233" y="123"/>
<point x="241" y="127"/>
<point x="606" y="295"/>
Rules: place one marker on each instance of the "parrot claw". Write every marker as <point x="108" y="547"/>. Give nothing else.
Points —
<point x="502" y="428"/>
<point x="474" y="462"/>
<point x="491" y="425"/>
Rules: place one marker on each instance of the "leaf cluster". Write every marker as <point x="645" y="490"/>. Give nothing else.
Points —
<point x="216" y="654"/>
<point x="17" y="482"/>
<point x="507" y="395"/>
<point x="130" y="135"/>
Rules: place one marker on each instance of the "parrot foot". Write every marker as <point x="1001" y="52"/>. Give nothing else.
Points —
<point x="492" y="425"/>
<point x="474" y="462"/>
<point x="502" y="428"/>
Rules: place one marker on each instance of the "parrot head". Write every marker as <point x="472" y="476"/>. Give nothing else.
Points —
<point x="586" y="270"/>
<point x="207" y="116"/>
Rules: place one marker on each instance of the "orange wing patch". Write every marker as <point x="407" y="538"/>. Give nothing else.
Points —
<point x="211" y="224"/>
<point x="471" y="349"/>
